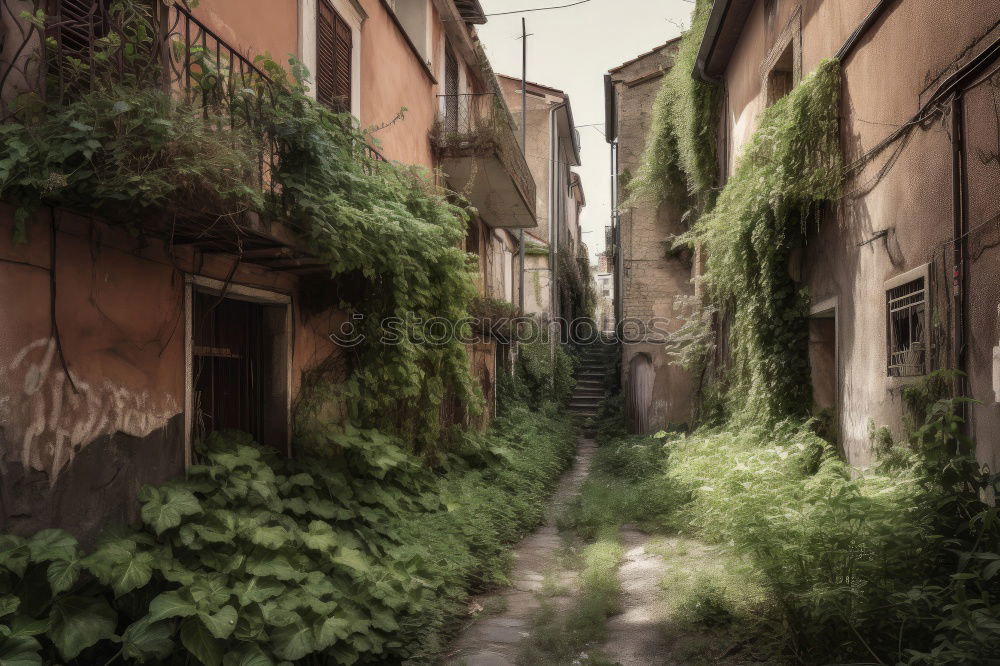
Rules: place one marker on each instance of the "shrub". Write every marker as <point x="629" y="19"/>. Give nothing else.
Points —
<point x="253" y="557"/>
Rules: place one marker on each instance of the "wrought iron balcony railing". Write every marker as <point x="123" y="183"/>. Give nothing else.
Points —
<point x="60" y="50"/>
<point x="480" y="124"/>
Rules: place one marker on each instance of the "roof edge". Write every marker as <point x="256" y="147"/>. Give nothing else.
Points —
<point x="724" y="27"/>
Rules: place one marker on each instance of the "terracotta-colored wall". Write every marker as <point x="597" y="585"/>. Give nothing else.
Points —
<point x="393" y="78"/>
<point x="76" y="458"/>
<point x="255" y="27"/>
<point x="884" y="80"/>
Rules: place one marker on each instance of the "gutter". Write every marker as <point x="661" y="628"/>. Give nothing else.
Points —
<point x="720" y="12"/>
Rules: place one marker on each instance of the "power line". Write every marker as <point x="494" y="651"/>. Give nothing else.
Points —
<point x="538" y="9"/>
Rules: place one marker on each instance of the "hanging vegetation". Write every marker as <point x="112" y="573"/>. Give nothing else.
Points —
<point x="786" y="173"/>
<point x="129" y="151"/>
<point x="680" y="157"/>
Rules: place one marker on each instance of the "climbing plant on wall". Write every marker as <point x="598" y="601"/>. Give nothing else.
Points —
<point x="786" y="173"/>
<point x="680" y="157"/>
<point x="122" y="147"/>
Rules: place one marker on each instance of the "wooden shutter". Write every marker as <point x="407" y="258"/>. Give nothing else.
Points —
<point x="334" y="46"/>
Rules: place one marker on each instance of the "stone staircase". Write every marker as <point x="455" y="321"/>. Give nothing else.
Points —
<point x="596" y="365"/>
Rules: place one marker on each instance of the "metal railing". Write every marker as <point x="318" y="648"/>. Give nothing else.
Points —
<point x="480" y="124"/>
<point x="83" y="44"/>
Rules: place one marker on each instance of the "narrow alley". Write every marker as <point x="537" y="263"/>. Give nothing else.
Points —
<point x="496" y="332"/>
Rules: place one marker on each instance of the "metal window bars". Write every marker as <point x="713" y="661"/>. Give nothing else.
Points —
<point x="907" y="329"/>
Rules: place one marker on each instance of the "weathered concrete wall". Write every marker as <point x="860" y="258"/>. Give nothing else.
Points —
<point x="885" y="82"/>
<point x="655" y="281"/>
<point x="74" y="454"/>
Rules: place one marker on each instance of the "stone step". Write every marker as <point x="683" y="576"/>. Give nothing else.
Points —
<point x="589" y="390"/>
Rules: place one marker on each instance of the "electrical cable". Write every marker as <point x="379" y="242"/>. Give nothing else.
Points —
<point x="538" y="9"/>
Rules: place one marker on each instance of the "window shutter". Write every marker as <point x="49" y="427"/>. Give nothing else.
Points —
<point x="334" y="45"/>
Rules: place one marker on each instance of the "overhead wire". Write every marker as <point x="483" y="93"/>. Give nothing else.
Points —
<point x="538" y="9"/>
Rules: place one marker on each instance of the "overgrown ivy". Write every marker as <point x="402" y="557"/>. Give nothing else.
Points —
<point x="790" y="168"/>
<point x="679" y="163"/>
<point x="256" y="559"/>
<point x="137" y="155"/>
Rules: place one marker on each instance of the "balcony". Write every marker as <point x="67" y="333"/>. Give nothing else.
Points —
<point x="477" y="142"/>
<point x="88" y="45"/>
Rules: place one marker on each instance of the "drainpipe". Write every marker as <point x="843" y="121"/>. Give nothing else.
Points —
<point x="554" y="207"/>
<point x="960" y="213"/>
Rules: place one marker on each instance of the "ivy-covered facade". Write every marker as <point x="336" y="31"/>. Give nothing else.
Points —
<point x="212" y="244"/>
<point x="839" y="209"/>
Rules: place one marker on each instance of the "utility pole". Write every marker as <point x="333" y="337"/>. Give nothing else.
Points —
<point x="524" y="143"/>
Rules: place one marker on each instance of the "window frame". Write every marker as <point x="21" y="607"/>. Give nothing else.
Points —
<point x="914" y="275"/>
<point x="351" y="12"/>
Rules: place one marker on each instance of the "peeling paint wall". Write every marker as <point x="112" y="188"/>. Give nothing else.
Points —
<point x="73" y="454"/>
<point x="905" y="193"/>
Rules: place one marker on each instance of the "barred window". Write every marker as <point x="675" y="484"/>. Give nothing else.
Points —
<point x="906" y="310"/>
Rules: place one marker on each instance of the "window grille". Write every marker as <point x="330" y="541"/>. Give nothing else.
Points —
<point x="906" y="309"/>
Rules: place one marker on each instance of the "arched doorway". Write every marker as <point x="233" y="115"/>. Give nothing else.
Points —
<point x="639" y="394"/>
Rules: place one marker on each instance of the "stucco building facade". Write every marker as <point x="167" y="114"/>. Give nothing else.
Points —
<point x="140" y="319"/>
<point x="903" y="271"/>
<point x="552" y="150"/>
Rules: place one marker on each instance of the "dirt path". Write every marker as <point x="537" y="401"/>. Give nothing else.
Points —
<point x="493" y="638"/>
<point x="636" y="636"/>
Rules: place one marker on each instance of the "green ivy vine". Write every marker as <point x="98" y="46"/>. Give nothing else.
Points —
<point x="790" y="168"/>
<point x="679" y="163"/>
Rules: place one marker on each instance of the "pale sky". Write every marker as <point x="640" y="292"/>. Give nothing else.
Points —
<point x="571" y="49"/>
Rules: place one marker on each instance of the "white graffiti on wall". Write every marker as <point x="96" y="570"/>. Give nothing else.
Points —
<point x="47" y="422"/>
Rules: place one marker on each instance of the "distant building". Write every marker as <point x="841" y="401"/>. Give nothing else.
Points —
<point x="651" y="282"/>
<point x="553" y="148"/>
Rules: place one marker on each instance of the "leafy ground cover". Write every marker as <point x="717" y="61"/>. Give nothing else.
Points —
<point x="256" y="559"/>
<point x="802" y="559"/>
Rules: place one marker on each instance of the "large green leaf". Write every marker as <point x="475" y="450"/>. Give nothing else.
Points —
<point x="199" y="642"/>
<point x="220" y="623"/>
<point x="14" y="554"/>
<point x="22" y="626"/>
<point x="8" y="604"/>
<point x="62" y="574"/>
<point x="247" y="655"/>
<point x="257" y="589"/>
<point x="320" y="536"/>
<point x="271" y="537"/>
<point x="294" y="641"/>
<point x="144" y="640"/>
<point x="79" y="622"/>
<point x="52" y="544"/>
<point x="20" y="652"/>
<point x="163" y="508"/>
<point x="175" y="603"/>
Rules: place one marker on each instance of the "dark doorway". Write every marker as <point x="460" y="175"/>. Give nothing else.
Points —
<point x="239" y="374"/>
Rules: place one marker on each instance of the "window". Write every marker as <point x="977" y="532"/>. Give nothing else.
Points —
<point x="334" y="55"/>
<point x="412" y="16"/>
<point x="906" y="316"/>
<point x="781" y="78"/>
<point x="451" y="100"/>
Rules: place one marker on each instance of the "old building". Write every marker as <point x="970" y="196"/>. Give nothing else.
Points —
<point x="903" y="270"/>
<point x="155" y="340"/>
<point x="653" y="283"/>
<point x="552" y="149"/>
<point x="604" y="285"/>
